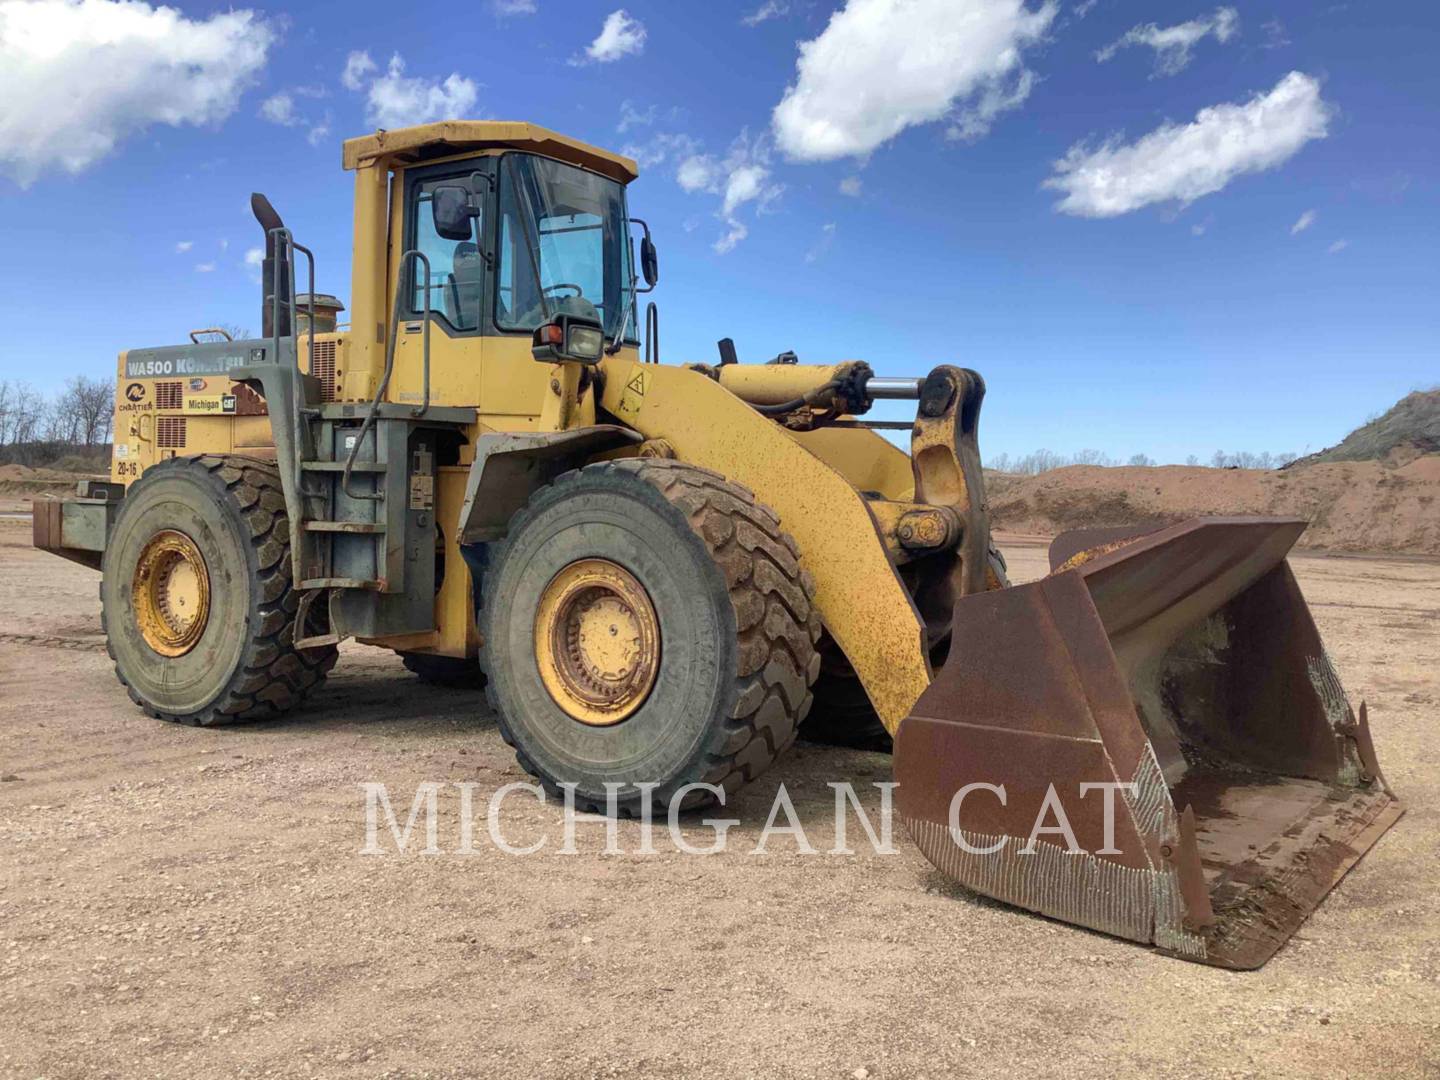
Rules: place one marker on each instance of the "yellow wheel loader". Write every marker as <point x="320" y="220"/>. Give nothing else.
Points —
<point x="658" y="570"/>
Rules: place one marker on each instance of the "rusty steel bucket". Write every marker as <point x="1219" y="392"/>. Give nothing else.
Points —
<point x="1179" y="666"/>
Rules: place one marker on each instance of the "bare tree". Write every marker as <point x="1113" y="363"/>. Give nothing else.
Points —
<point x="24" y="413"/>
<point x="86" y="410"/>
<point x="237" y="333"/>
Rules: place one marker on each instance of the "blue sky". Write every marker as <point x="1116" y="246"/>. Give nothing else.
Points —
<point x="1160" y="228"/>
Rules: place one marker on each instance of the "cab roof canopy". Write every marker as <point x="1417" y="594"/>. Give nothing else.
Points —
<point x="447" y="138"/>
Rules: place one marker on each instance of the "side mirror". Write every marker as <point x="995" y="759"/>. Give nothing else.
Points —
<point x="649" y="262"/>
<point x="453" y="210"/>
<point x="569" y="337"/>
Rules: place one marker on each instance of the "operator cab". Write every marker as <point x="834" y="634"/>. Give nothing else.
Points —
<point x="519" y="229"/>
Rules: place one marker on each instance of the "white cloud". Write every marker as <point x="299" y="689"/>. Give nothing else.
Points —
<point x="80" y="76"/>
<point x="1274" y="35"/>
<point x="205" y="268"/>
<point x="619" y="36"/>
<point x="771" y="9"/>
<point x="822" y="245"/>
<point x="254" y="262"/>
<point x="1172" y="44"/>
<point x="224" y="244"/>
<point x="514" y="7"/>
<point x="1338" y="246"/>
<point x="280" y="109"/>
<point x="973" y="120"/>
<point x="1083" y="8"/>
<point x="852" y="186"/>
<point x="320" y="132"/>
<point x="1185" y="162"/>
<point x="663" y="146"/>
<point x="358" y="66"/>
<point x="631" y="117"/>
<point x="395" y="100"/>
<point x="742" y="176"/>
<point x="882" y="66"/>
<point x="1303" y="222"/>
<point x="183" y="246"/>
<point x="1198" y="230"/>
<point x="696" y="173"/>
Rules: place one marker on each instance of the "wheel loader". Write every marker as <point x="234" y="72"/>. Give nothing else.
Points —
<point x="661" y="573"/>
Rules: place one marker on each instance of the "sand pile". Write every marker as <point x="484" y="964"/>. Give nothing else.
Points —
<point x="1381" y="506"/>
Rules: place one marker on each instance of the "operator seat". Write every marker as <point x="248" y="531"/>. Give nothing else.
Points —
<point x="462" y="292"/>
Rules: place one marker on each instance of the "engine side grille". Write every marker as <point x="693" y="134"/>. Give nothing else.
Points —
<point x="170" y="431"/>
<point x="324" y="369"/>
<point x="169" y="395"/>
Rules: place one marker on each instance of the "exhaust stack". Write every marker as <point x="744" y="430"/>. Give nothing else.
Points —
<point x="269" y="220"/>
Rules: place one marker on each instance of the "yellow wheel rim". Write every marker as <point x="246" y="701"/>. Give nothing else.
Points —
<point x="597" y="642"/>
<point x="171" y="593"/>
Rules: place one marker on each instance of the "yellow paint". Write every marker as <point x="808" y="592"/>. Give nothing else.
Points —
<point x="465" y="137"/>
<point x="596" y="642"/>
<point x="862" y="601"/>
<point x="812" y="480"/>
<point x="866" y="458"/>
<point x="171" y="592"/>
<point x="771" y="384"/>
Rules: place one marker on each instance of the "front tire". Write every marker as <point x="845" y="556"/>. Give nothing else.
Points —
<point x="647" y="622"/>
<point x="195" y="594"/>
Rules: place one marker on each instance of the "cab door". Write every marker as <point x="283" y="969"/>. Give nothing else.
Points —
<point x="455" y="295"/>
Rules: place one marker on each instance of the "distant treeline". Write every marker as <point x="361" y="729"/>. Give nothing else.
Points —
<point x="1044" y="460"/>
<point x="37" y="430"/>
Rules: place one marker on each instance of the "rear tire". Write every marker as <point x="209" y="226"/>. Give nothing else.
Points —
<point x="241" y="663"/>
<point x="734" y="648"/>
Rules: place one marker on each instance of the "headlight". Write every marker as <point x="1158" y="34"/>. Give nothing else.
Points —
<point x="585" y="341"/>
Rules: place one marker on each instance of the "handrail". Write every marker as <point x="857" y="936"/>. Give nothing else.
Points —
<point x="425" y="332"/>
<point x="652" y="333"/>
<point x="195" y="334"/>
<point x="380" y="390"/>
<point x="284" y="246"/>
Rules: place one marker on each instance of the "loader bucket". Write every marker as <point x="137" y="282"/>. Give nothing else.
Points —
<point x="1183" y="665"/>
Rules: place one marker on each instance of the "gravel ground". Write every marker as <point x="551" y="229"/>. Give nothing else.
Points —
<point x="186" y="902"/>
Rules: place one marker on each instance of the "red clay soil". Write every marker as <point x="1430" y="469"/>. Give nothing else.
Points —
<point x="1378" y="506"/>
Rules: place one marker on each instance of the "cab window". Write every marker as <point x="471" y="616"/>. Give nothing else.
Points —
<point x="457" y="271"/>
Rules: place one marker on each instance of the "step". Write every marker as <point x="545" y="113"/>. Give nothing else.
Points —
<point x="339" y="466"/>
<point x="363" y="527"/>
<point x="341" y="583"/>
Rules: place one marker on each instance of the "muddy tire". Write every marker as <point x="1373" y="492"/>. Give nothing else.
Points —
<point x="842" y="714"/>
<point x="237" y="662"/>
<point x="734" y="654"/>
<point x="453" y="672"/>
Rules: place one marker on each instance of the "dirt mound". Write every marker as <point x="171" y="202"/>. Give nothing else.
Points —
<point x="1351" y="505"/>
<point x="28" y="482"/>
<point x="1409" y="429"/>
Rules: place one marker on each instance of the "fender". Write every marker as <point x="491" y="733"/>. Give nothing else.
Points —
<point x="509" y="468"/>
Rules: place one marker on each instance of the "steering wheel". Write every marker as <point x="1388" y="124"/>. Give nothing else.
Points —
<point x="564" y="285"/>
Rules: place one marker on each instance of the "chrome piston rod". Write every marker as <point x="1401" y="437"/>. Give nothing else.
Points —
<point x="878" y="389"/>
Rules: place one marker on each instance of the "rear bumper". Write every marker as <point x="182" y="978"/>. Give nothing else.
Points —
<point x="78" y="527"/>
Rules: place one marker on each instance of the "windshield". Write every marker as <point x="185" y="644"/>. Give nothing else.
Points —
<point x="563" y="246"/>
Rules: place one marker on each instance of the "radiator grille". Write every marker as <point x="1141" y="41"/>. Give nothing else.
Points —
<point x="170" y="431"/>
<point x="324" y="369"/>
<point x="169" y="395"/>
